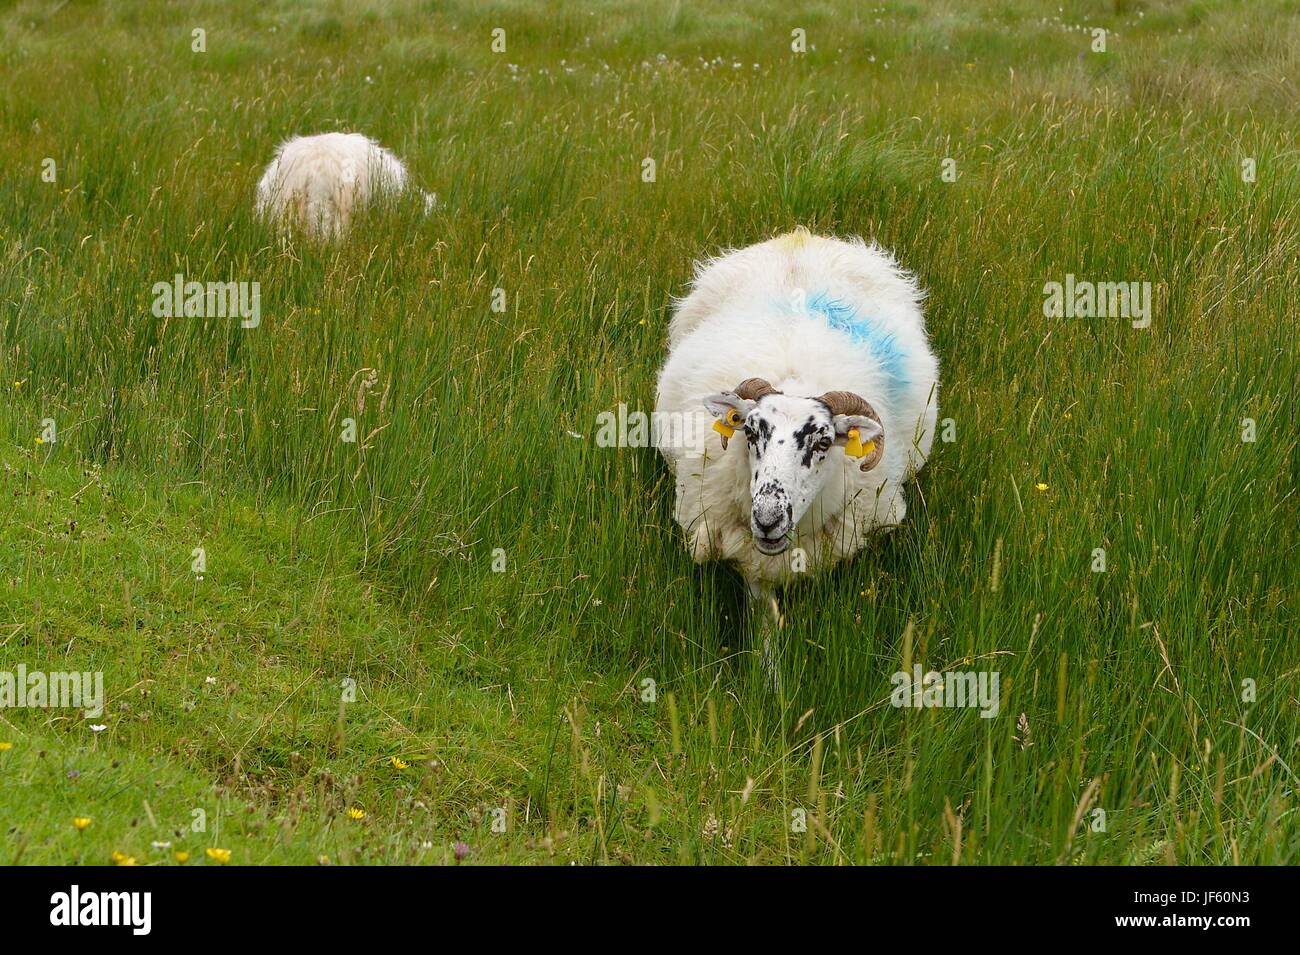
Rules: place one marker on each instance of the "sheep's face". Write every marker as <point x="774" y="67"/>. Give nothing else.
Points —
<point x="792" y="447"/>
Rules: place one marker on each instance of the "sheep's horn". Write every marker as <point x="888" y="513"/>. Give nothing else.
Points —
<point x="850" y="403"/>
<point x="847" y="402"/>
<point x="752" y="389"/>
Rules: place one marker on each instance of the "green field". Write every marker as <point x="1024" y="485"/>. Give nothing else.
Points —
<point x="350" y="680"/>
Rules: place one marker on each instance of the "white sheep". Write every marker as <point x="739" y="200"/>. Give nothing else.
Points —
<point x="812" y="351"/>
<point x="317" y="183"/>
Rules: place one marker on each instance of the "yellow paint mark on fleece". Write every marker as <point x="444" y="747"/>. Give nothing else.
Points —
<point x="794" y="240"/>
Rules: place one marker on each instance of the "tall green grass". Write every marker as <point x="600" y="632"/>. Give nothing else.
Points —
<point x="1121" y="691"/>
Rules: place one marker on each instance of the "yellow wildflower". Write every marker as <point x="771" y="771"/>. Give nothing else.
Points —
<point x="80" y="822"/>
<point x="218" y="855"/>
<point x="357" y="814"/>
<point x="181" y="857"/>
<point x="398" y="762"/>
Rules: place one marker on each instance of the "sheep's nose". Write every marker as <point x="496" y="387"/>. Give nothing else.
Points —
<point x="767" y="526"/>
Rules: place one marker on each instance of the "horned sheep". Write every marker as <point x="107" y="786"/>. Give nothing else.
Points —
<point x="811" y="353"/>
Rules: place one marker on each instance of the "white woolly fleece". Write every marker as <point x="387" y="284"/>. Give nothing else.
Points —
<point x="317" y="183"/>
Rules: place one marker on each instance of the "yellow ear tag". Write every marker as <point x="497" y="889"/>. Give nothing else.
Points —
<point x="855" y="448"/>
<point x="728" y="428"/>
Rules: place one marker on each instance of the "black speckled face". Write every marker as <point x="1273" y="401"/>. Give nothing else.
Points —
<point x="789" y="440"/>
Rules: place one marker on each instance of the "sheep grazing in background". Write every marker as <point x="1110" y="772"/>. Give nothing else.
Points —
<point x="317" y="183"/>
<point x="812" y="356"/>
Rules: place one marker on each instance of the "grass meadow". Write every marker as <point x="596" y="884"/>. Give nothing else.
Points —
<point x="350" y="680"/>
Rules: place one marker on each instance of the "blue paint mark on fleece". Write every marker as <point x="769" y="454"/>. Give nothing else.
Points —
<point x="883" y="346"/>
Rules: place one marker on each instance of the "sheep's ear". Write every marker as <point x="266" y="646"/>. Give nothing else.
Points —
<point x="861" y="437"/>
<point x="868" y="428"/>
<point x="723" y="403"/>
<point x="730" y="410"/>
